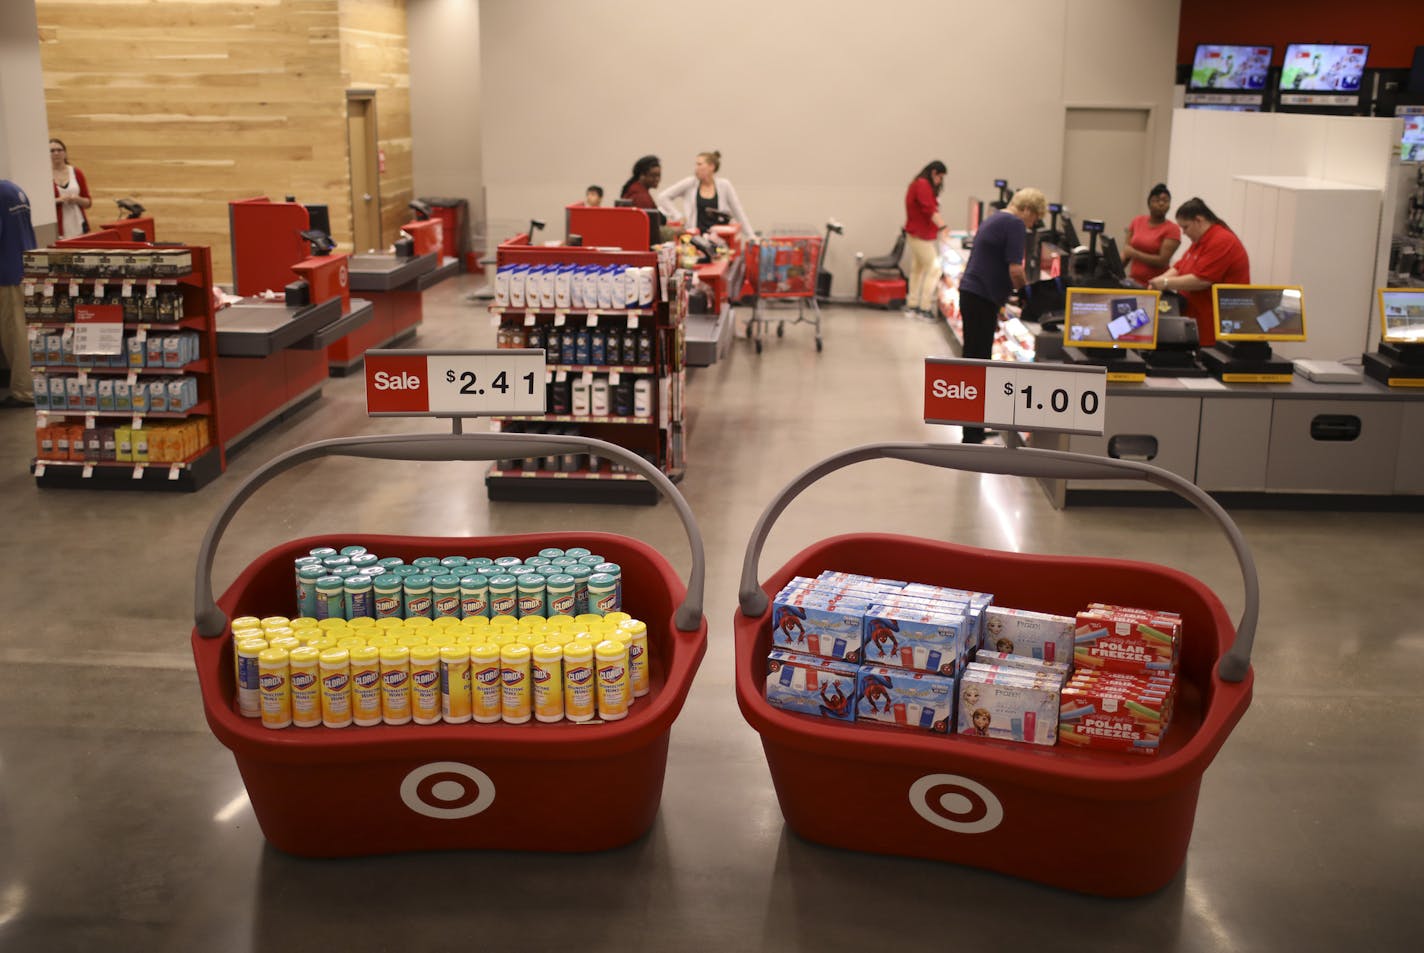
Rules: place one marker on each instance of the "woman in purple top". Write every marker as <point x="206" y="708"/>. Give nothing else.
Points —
<point x="995" y="271"/>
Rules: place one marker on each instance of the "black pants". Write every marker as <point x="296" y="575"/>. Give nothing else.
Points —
<point x="981" y="319"/>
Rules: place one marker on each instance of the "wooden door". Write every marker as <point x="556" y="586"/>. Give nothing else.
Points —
<point x="365" y="172"/>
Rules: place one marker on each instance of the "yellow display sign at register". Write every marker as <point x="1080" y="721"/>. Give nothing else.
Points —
<point x="1258" y="312"/>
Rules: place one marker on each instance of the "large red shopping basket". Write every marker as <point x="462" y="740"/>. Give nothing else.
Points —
<point x="1109" y="824"/>
<point x="323" y="792"/>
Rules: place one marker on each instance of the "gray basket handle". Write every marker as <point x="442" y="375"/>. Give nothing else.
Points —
<point x="210" y="620"/>
<point x="1049" y="464"/>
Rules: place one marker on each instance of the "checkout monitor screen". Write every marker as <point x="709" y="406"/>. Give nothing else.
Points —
<point x="1411" y="144"/>
<point x="1258" y="313"/>
<point x="1113" y="317"/>
<point x="1230" y="67"/>
<point x="1323" y="67"/>
<point x="1402" y="315"/>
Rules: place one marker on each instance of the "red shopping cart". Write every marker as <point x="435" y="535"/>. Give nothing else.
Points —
<point x="986" y="803"/>
<point x="784" y="270"/>
<point x="323" y="792"/>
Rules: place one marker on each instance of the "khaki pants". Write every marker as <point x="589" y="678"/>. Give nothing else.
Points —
<point x="924" y="275"/>
<point x="15" y="341"/>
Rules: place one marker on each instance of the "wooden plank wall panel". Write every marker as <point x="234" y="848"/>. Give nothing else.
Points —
<point x="186" y="105"/>
<point x="375" y="54"/>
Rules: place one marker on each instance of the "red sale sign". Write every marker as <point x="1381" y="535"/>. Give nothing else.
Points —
<point x="396" y="384"/>
<point x="954" y="392"/>
<point x="99" y="314"/>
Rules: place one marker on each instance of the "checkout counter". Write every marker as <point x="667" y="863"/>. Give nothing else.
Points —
<point x="272" y="352"/>
<point x="394" y="284"/>
<point x="268" y="245"/>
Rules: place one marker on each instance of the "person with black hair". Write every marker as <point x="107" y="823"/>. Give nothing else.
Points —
<point x="1151" y="239"/>
<point x="647" y="173"/>
<point x="1215" y="257"/>
<point x="593" y="196"/>
<point x="923" y="227"/>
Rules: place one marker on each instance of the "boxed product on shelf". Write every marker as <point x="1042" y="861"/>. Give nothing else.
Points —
<point x="1010" y="706"/>
<point x="1127" y="640"/>
<point x="921" y="639"/>
<point x="1035" y="634"/>
<point x="824" y="626"/>
<point x="1116" y="713"/>
<point x="1006" y="660"/>
<point x="914" y="700"/>
<point x="811" y="685"/>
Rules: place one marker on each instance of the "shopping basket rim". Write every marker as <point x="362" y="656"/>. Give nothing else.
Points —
<point x="1222" y="707"/>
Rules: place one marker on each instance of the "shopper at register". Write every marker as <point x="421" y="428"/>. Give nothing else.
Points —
<point x="1152" y="239"/>
<point x="647" y="173"/>
<point x="1215" y="257"/>
<point x="593" y="196"/>
<point x="71" y="192"/>
<point x="695" y="199"/>
<point x="994" y="271"/>
<point x="923" y="227"/>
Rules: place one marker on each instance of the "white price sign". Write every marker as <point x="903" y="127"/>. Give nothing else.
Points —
<point x="455" y="383"/>
<point x="1041" y="397"/>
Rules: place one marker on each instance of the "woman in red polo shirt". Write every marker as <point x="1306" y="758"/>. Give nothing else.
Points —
<point x="1216" y="257"/>
<point x="1151" y="239"/>
<point x="922" y="228"/>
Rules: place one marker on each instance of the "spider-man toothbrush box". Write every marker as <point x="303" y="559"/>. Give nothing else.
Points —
<point x="810" y="685"/>
<point x="917" y="638"/>
<point x="904" y="699"/>
<point x="817" y="624"/>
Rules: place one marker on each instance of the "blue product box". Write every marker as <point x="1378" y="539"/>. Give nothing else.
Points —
<point x="153" y="351"/>
<point x="829" y="628"/>
<point x="832" y="576"/>
<point x="810" y="685"/>
<point x="40" y="386"/>
<point x="134" y="347"/>
<point x="914" y="638"/>
<point x="106" y="395"/>
<point x="914" y="700"/>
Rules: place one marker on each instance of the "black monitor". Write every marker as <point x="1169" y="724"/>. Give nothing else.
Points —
<point x="1069" y="233"/>
<point x="1113" y="267"/>
<point x="319" y="218"/>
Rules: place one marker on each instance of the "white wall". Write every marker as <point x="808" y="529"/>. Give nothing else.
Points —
<point x="445" y="94"/>
<point x="24" y="127"/>
<point x="1209" y="148"/>
<point x="820" y="109"/>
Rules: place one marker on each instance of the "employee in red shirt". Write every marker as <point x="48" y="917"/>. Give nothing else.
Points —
<point x="1152" y="239"/>
<point x="922" y="230"/>
<point x="1215" y="257"/>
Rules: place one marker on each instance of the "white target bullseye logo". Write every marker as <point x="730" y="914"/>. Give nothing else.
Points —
<point x="956" y="803"/>
<point x="447" y="790"/>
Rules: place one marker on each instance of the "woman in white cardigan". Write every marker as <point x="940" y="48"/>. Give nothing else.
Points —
<point x="693" y="199"/>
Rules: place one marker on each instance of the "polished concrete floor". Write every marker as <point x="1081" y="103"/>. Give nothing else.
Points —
<point x="124" y="826"/>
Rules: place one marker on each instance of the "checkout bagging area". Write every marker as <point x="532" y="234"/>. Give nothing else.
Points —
<point x="1310" y="388"/>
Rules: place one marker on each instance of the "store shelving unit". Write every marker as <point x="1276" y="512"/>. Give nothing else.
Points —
<point x="88" y="469"/>
<point x="657" y="436"/>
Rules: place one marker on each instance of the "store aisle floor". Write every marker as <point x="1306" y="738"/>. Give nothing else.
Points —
<point x="124" y="825"/>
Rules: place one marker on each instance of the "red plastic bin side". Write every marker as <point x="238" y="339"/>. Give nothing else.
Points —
<point x="360" y="791"/>
<point x="993" y="804"/>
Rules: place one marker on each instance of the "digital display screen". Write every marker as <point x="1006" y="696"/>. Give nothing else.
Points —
<point x="1323" y="68"/>
<point x="1258" y="313"/>
<point x="1402" y="315"/>
<point x="1230" y="67"/>
<point x="1411" y="146"/>
<point x="1225" y="107"/>
<point x="1114" y="317"/>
